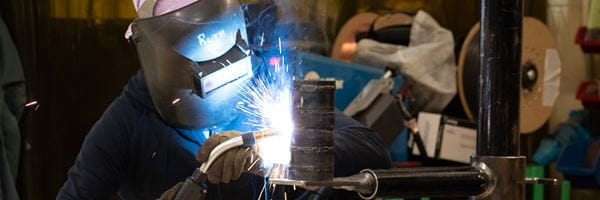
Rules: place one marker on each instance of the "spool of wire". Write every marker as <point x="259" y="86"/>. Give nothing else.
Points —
<point x="312" y="149"/>
<point x="541" y="69"/>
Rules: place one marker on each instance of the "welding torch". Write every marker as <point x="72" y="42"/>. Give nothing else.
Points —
<point x="194" y="187"/>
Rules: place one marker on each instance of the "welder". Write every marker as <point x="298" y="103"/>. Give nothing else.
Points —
<point x="194" y="57"/>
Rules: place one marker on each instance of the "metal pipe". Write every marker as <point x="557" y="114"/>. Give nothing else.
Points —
<point x="507" y="180"/>
<point x="500" y="77"/>
<point x="499" y="95"/>
<point x="408" y="182"/>
<point x="432" y="182"/>
<point x="312" y="148"/>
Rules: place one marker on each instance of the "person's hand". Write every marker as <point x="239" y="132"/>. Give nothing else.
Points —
<point x="230" y="165"/>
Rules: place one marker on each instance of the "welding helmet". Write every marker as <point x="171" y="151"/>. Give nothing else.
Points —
<point x="194" y="60"/>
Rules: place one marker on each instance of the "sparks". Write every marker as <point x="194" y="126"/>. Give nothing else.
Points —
<point x="273" y="190"/>
<point x="176" y="101"/>
<point x="261" y="191"/>
<point x="252" y="165"/>
<point x="268" y="102"/>
<point x="280" y="52"/>
<point x="31" y="103"/>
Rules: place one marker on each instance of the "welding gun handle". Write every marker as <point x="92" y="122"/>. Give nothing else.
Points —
<point x="194" y="187"/>
<point x="247" y="139"/>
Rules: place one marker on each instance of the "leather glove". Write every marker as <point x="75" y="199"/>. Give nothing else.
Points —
<point x="230" y="165"/>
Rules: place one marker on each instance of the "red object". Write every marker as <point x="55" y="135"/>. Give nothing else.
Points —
<point x="406" y="164"/>
<point x="589" y="101"/>
<point x="275" y="61"/>
<point x="588" y="46"/>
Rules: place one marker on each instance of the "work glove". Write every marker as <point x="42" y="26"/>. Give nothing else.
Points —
<point x="230" y="165"/>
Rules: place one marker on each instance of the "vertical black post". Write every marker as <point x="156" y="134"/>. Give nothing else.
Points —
<point x="312" y="149"/>
<point x="500" y="78"/>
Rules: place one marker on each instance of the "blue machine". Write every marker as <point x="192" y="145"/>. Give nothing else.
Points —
<point x="351" y="77"/>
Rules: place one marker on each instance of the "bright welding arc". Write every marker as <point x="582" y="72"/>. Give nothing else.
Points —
<point x="268" y="102"/>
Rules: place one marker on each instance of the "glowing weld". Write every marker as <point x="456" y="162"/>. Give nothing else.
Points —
<point x="268" y="101"/>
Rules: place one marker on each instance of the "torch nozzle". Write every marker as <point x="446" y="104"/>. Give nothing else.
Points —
<point x="258" y="135"/>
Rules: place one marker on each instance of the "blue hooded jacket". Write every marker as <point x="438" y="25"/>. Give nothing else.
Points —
<point x="133" y="152"/>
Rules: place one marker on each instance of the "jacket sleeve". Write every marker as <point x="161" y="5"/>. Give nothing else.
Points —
<point x="103" y="159"/>
<point x="357" y="147"/>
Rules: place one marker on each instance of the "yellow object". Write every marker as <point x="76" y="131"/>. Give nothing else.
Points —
<point x="93" y="9"/>
<point x="594" y="17"/>
<point x="383" y="6"/>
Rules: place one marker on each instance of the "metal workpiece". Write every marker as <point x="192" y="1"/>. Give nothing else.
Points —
<point x="500" y="70"/>
<point x="507" y="180"/>
<point x="430" y="181"/>
<point x="313" y="118"/>
<point x="500" y="77"/>
<point x="314" y="94"/>
<point x="316" y="137"/>
<point x="312" y="148"/>
<point x="363" y="183"/>
<point x="312" y="163"/>
<point x="408" y="182"/>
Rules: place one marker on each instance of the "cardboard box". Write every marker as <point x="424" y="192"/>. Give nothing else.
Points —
<point x="447" y="138"/>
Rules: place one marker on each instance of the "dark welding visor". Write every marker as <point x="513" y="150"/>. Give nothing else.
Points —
<point x="195" y="59"/>
<point x="205" y="37"/>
